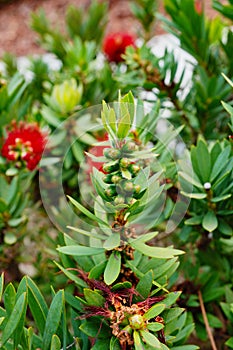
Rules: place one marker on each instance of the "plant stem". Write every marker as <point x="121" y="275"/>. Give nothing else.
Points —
<point x="207" y="326"/>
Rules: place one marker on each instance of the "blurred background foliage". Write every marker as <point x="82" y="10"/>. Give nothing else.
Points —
<point x="196" y="98"/>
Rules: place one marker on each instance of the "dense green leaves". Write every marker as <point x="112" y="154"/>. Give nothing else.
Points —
<point x="53" y="318"/>
<point x="113" y="267"/>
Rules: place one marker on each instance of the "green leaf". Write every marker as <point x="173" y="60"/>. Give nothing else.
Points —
<point x="55" y="343"/>
<point x="191" y="179"/>
<point x="108" y="117"/>
<point x="112" y="241"/>
<point x="79" y="250"/>
<point x="12" y="172"/>
<point x="10" y="238"/>
<point x="155" y="252"/>
<point x="114" y="344"/>
<point x="229" y="342"/>
<point x="101" y="344"/>
<point x="37" y="304"/>
<point x="9" y="298"/>
<point x="113" y="268"/>
<point x="154" y="311"/>
<point x="112" y="120"/>
<point x="1" y="285"/>
<point x="144" y="285"/>
<point x="213" y="294"/>
<point x="16" y="222"/>
<point x="97" y="270"/>
<point x="171" y="298"/>
<point x="214" y="321"/>
<point x="186" y="347"/>
<point x="147" y="236"/>
<point x="210" y="221"/>
<point x="3" y="205"/>
<point x="53" y="319"/>
<point x="204" y="160"/>
<point x="14" y="319"/>
<point x="172" y="314"/>
<point x="225" y="228"/>
<point x="220" y="163"/>
<point x="87" y="212"/>
<point x="124" y="125"/>
<point x="93" y="298"/>
<point x="155" y="326"/>
<point x="71" y="276"/>
<point x="194" y="195"/>
<point x="20" y="326"/>
<point x="87" y="233"/>
<point x="121" y="285"/>
<point x="150" y="339"/>
<point x="220" y="198"/>
<point x="92" y="328"/>
<point x="196" y="220"/>
<point x="137" y="341"/>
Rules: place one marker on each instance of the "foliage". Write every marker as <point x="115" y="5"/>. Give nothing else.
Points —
<point x="144" y="259"/>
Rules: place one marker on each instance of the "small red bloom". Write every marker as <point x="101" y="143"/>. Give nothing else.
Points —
<point x="25" y="143"/>
<point x="98" y="152"/>
<point x="115" y="44"/>
<point x="198" y="5"/>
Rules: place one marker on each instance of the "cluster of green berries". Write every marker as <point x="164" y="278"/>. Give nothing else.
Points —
<point x="120" y="173"/>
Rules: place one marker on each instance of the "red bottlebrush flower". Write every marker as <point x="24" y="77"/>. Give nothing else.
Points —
<point x="115" y="44"/>
<point x="98" y="152"/>
<point x="198" y="5"/>
<point x="24" y="143"/>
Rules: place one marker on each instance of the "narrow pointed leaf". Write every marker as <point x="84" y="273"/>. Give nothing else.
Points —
<point x="1" y="285"/>
<point x="53" y="319"/>
<point x="71" y="276"/>
<point x="156" y="252"/>
<point x="154" y="311"/>
<point x="79" y="250"/>
<point x="37" y="304"/>
<point x="87" y="212"/>
<point x="14" y="319"/>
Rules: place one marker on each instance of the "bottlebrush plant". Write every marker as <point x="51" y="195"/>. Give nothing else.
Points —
<point x="143" y="251"/>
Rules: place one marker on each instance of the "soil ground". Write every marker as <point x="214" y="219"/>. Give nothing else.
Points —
<point x="17" y="37"/>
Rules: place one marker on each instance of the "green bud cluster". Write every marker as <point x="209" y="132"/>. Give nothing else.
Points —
<point x="120" y="173"/>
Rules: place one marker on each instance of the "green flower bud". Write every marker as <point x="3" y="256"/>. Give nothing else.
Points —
<point x="107" y="179"/>
<point x="119" y="200"/>
<point x="128" y="186"/>
<point x="137" y="322"/>
<point x="110" y="167"/>
<point x="112" y="153"/>
<point x="137" y="188"/>
<point x="125" y="162"/>
<point x="130" y="147"/>
<point x="134" y="168"/>
<point x="116" y="179"/>
<point x="110" y="191"/>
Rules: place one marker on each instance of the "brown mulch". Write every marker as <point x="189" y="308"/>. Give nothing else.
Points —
<point x="17" y="37"/>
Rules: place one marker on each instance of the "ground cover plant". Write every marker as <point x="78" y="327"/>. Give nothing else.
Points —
<point x="116" y="184"/>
